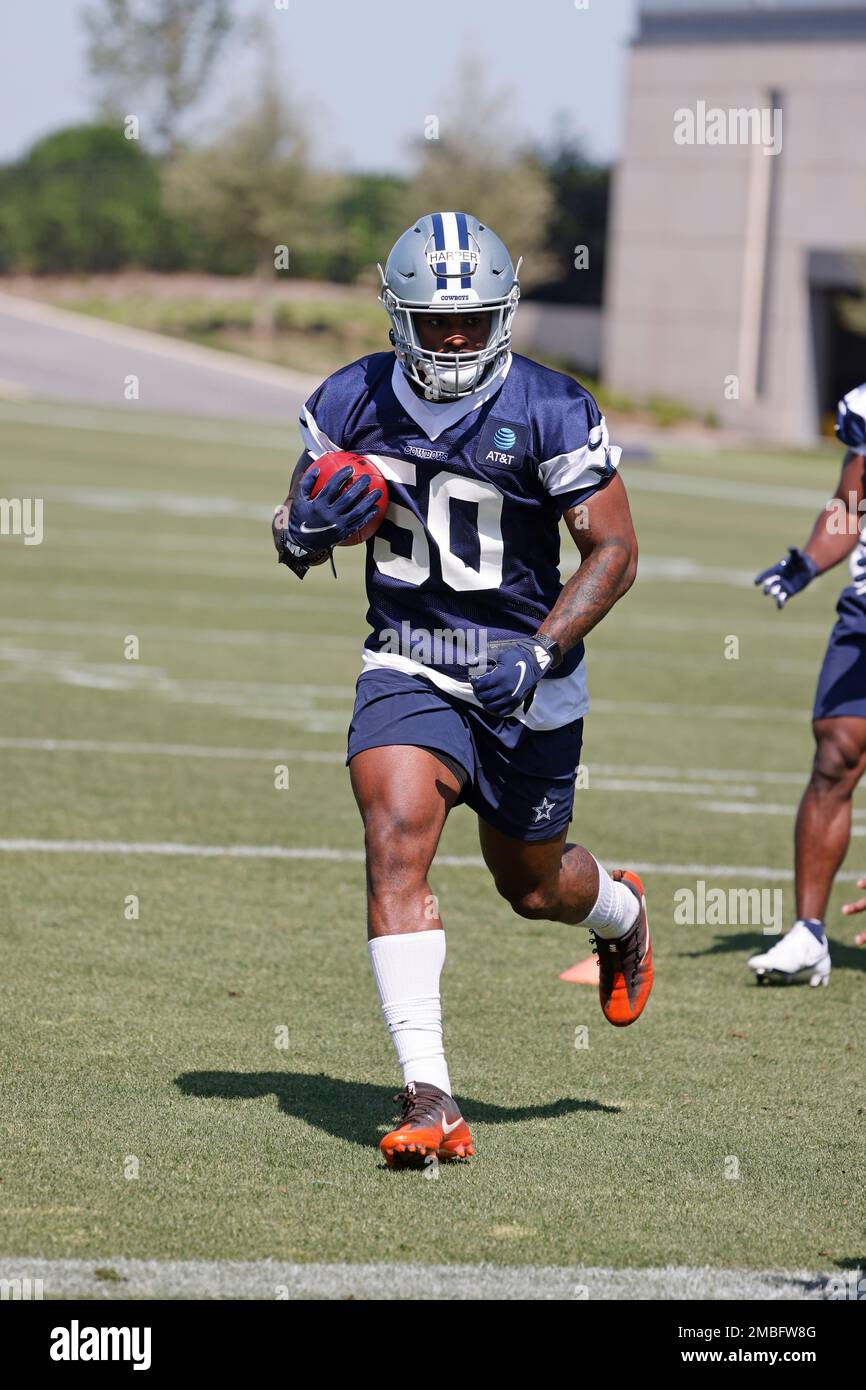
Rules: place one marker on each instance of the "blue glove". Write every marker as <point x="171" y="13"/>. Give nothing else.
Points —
<point x="788" y="577"/>
<point x="515" y="665"/>
<point x="320" y="522"/>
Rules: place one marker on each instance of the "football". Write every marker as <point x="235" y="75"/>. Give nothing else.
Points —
<point x="329" y="464"/>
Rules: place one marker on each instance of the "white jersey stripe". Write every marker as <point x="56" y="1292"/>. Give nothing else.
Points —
<point x="316" y="442"/>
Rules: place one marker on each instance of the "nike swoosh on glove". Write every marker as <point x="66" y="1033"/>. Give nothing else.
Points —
<point x="518" y="664"/>
<point x="320" y="522"/>
<point x="788" y="577"/>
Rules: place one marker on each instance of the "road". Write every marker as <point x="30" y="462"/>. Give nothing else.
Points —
<point x="50" y="354"/>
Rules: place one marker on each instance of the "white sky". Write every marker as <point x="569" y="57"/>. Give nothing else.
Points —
<point x="372" y="71"/>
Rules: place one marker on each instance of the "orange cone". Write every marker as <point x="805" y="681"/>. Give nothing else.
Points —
<point x="584" y="973"/>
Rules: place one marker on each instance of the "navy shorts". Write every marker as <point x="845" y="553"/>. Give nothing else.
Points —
<point x="842" y="682"/>
<point x="519" y="780"/>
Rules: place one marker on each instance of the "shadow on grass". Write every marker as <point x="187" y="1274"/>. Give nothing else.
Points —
<point x="351" y="1109"/>
<point x="842" y="954"/>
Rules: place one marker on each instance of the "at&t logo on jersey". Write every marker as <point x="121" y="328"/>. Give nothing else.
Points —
<point x="502" y="444"/>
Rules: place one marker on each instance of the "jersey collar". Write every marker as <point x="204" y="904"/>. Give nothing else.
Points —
<point x="434" y="417"/>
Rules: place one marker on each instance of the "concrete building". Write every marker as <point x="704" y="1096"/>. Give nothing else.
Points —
<point x="739" y="211"/>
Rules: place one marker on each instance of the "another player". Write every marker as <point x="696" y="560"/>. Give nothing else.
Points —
<point x="849" y="909"/>
<point x="823" y="826"/>
<point x="483" y="701"/>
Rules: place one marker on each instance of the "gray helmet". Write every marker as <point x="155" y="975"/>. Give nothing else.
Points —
<point x="449" y="262"/>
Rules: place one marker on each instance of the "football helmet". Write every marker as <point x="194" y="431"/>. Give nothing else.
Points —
<point x="449" y="262"/>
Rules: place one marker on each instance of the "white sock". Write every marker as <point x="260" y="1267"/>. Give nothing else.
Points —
<point x="615" y="910"/>
<point x="406" y="968"/>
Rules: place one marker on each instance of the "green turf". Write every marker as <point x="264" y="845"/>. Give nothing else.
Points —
<point x="154" y="1039"/>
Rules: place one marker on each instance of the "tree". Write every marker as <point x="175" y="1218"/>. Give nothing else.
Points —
<point x="577" y="219"/>
<point x="253" y="191"/>
<point x="468" y="161"/>
<point x="84" y="198"/>
<point x="369" y="215"/>
<point x="153" y="58"/>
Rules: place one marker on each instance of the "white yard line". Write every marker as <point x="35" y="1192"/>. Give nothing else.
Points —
<point x="273" y="1279"/>
<point x="720" y="490"/>
<point x="172" y="849"/>
<point x="279" y="700"/>
<point x="61" y="591"/>
<point x="198" y="506"/>
<point x="604" y="777"/>
<point x="170" y="750"/>
<point x="742" y="808"/>
<point x="667" y="709"/>
<point x="240" y="434"/>
<point x="206" y="636"/>
<point x="608" y="777"/>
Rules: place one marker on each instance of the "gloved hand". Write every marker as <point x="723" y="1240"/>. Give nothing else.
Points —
<point x="514" y="667"/>
<point x="788" y="577"/>
<point x="320" y="522"/>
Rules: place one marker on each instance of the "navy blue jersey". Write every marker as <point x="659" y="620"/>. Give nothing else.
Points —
<point x="851" y="430"/>
<point x="470" y="541"/>
<point x="851" y="419"/>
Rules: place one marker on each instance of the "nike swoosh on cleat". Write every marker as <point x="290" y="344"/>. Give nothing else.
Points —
<point x="646" y="925"/>
<point x="446" y="1128"/>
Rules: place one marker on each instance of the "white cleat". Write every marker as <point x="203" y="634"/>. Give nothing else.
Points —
<point x="796" y="953"/>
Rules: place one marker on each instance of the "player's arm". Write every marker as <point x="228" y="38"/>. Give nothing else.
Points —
<point x="837" y="526"/>
<point x="603" y="532"/>
<point x="306" y="528"/>
<point x="833" y="537"/>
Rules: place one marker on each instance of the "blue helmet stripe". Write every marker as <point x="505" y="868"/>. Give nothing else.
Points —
<point x="439" y="240"/>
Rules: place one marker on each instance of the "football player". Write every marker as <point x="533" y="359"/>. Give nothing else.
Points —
<point x="483" y="702"/>
<point x="823" y="827"/>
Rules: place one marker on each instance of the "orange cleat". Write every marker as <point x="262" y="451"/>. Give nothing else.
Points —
<point x="626" y="971"/>
<point x="432" y="1125"/>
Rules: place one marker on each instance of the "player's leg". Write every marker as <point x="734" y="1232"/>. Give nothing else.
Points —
<point x="404" y="794"/>
<point x="821" y="838"/>
<point x="560" y="882"/>
<point x="404" y="791"/>
<point x="523" y="792"/>
<point x="823" y="829"/>
<point x="547" y="879"/>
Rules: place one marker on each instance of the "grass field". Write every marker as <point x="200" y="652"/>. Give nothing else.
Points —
<point x="149" y="1112"/>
